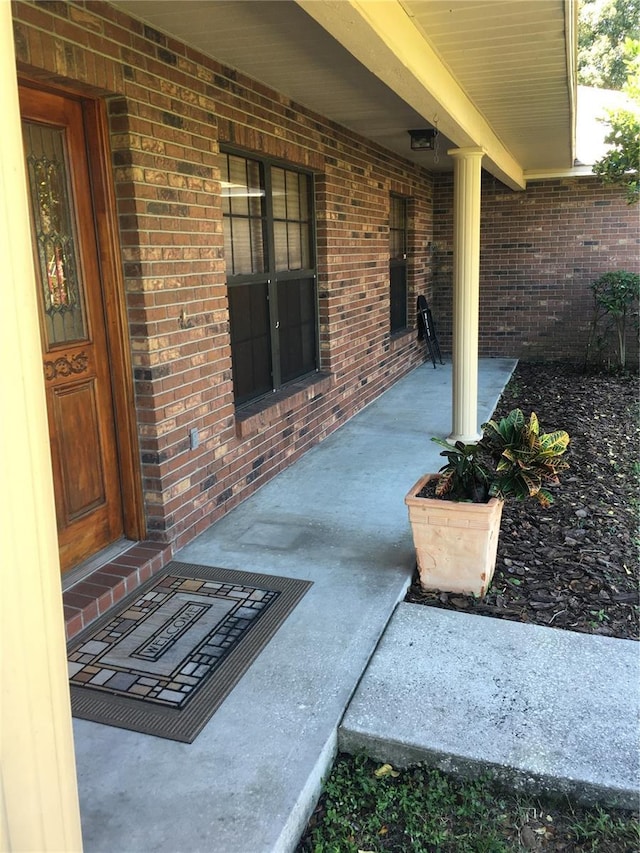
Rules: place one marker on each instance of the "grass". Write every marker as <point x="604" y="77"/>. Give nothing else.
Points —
<point x="367" y="808"/>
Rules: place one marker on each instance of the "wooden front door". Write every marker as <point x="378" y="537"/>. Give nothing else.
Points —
<point x="73" y="327"/>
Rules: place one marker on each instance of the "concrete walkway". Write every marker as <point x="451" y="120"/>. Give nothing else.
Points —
<point x="543" y="709"/>
<point x="250" y="779"/>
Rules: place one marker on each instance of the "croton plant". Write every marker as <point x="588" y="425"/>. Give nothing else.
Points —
<point x="513" y="459"/>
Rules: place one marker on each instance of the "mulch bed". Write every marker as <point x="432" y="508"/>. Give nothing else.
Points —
<point x="573" y="565"/>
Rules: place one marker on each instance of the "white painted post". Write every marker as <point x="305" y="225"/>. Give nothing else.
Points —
<point x="466" y="289"/>
<point x="38" y="789"/>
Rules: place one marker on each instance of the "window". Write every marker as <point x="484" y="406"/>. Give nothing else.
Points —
<point x="398" y="239"/>
<point x="269" y="252"/>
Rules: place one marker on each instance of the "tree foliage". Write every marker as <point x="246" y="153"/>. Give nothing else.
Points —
<point x="621" y="164"/>
<point x="602" y="29"/>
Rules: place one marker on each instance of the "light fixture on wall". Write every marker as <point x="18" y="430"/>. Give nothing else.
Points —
<point x="424" y="139"/>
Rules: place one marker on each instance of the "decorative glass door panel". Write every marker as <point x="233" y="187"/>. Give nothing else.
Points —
<point x="63" y="310"/>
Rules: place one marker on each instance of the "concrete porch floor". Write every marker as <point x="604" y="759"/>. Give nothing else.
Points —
<point x="336" y="517"/>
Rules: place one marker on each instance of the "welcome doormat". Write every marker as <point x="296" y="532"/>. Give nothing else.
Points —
<point x="165" y="659"/>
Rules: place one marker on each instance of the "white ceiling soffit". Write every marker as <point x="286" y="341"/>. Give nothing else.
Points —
<point x="492" y="73"/>
<point x="516" y="61"/>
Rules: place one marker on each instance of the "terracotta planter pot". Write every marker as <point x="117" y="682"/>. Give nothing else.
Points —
<point x="456" y="543"/>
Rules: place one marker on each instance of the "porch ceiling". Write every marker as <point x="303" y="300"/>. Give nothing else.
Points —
<point x="492" y="73"/>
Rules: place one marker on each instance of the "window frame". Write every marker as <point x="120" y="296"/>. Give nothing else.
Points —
<point x="271" y="277"/>
<point x="399" y="264"/>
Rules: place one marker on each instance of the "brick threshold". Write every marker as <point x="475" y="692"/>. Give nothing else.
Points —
<point x="111" y="582"/>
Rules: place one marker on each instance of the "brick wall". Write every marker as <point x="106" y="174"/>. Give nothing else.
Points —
<point x="169" y="109"/>
<point x="540" y="251"/>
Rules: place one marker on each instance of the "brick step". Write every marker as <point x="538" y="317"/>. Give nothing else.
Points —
<point x="111" y="582"/>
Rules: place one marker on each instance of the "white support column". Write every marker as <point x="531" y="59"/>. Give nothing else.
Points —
<point x="38" y="789"/>
<point x="466" y="292"/>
